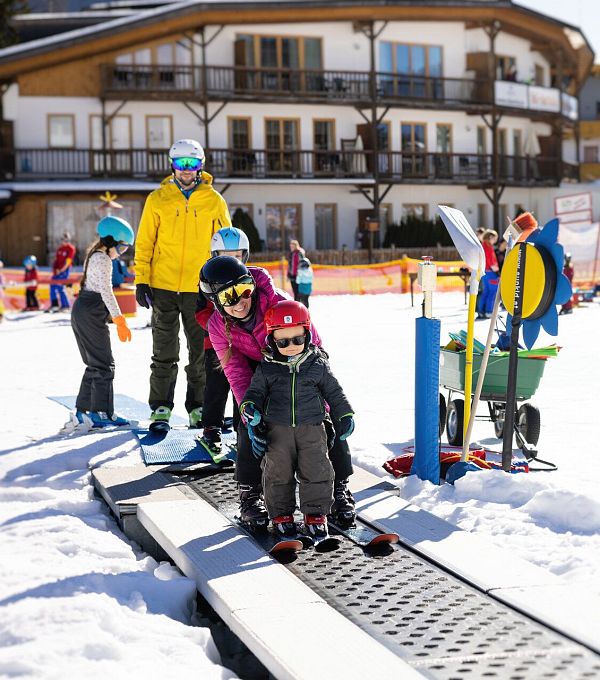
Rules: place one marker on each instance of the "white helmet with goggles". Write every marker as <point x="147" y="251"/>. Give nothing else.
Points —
<point x="187" y="154"/>
<point x="228" y="240"/>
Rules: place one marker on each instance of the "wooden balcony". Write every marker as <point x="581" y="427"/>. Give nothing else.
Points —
<point x="349" y="88"/>
<point x="238" y="83"/>
<point x="259" y="164"/>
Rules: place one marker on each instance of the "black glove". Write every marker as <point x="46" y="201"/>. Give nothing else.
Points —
<point x="143" y="295"/>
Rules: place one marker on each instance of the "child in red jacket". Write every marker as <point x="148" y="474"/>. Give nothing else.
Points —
<point x="492" y="277"/>
<point x="31" y="279"/>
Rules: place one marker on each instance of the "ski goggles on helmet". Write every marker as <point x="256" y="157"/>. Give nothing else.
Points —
<point x="297" y="340"/>
<point x="242" y="290"/>
<point x="187" y="163"/>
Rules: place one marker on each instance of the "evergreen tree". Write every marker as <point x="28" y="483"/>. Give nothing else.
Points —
<point x="8" y="8"/>
<point x="241" y="220"/>
<point x="415" y="232"/>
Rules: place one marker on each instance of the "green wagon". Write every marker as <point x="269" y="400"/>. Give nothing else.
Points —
<point x="452" y="378"/>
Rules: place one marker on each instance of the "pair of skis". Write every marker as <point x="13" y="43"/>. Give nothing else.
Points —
<point x="361" y="534"/>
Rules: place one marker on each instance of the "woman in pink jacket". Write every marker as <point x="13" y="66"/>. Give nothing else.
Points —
<point x="241" y="296"/>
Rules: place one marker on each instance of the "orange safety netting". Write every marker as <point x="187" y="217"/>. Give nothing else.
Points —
<point x="385" y="277"/>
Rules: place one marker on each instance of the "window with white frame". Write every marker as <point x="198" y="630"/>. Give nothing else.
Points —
<point x="61" y="131"/>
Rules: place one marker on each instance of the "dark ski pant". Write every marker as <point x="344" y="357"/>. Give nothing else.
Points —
<point x="297" y="452"/>
<point x="247" y="467"/>
<point x="167" y="307"/>
<point x="89" y="322"/>
<point x="303" y="298"/>
<point x="215" y="392"/>
<point x="31" y="298"/>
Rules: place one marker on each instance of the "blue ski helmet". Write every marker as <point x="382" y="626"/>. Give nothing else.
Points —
<point x="227" y="239"/>
<point x="30" y="261"/>
<point x="113" y="230"/>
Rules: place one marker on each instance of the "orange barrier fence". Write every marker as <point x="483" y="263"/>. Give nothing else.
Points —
<point x="13" y="294"/>
<point x="384" y="277"/>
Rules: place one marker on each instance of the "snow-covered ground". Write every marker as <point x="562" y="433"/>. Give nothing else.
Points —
<point x="77" y="599"/>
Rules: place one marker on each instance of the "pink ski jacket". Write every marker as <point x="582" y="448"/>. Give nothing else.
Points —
<point x="246" y="346"/>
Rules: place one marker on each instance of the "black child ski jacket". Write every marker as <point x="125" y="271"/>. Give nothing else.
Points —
<point x="295" y="393"/>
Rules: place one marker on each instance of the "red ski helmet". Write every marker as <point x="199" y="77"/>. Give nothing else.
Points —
<point x="286" y="314"/>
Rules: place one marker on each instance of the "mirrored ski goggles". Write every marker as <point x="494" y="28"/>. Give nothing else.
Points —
<point x="298" y="340"/>
<point x="121" y="248"/>
<point x="187" y="163"/>
<point x="233" y="294"/>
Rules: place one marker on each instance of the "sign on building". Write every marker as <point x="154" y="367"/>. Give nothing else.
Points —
<point x="572" y="203"/>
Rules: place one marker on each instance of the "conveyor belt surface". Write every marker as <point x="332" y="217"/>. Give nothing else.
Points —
<point x="445" y="628"/>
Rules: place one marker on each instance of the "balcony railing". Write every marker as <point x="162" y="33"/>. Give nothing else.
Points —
<point x="338" y="87"/>
<point x="261" y="164"/>
<point x="239" y="83"/>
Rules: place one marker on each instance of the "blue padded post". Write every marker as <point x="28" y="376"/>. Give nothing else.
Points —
<point x="426" y="463"/>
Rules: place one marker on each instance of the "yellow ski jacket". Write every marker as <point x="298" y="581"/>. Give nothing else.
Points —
<point x="173" y="240"/>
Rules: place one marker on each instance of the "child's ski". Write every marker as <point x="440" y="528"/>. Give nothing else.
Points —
<point x="221" y="453"/>
<point x="366" y="536"/>
<point x="325" y="543"/>
<point x="159" y="426"/>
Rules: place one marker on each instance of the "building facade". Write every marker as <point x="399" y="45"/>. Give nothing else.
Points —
<point x="325" y="121"/>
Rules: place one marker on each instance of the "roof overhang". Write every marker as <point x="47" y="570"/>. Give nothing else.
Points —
<point x="184" y="17"/>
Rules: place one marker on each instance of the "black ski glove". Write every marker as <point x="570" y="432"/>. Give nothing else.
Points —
<point x="143" y="295"/>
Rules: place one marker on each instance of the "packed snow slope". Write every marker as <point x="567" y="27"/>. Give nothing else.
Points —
<point x="78" y="599"/>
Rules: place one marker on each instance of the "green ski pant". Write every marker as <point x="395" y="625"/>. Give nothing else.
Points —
<point x="167" y="307"/>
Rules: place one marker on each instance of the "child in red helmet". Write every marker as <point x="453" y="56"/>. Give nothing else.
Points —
<point x="284" y="409"/>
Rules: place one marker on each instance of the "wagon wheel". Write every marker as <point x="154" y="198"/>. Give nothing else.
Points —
<point x="455" y="422"/>
<point x="528" y="423"/>
<point x="442" y="414"/>
<point x="498" y="417"/>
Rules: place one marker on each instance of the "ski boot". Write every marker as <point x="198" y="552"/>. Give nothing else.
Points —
<point x="343" y="510"/>
<point x="252" y="508"/>
<point x="196" y="418"/>
<point x="160" y="419"/>
<point x="316" y="527"/>
<point x="101" y="419"/>
<point x="211" y="441"/>
<point x="79" y="421"/>
<point x="284" y="526"/>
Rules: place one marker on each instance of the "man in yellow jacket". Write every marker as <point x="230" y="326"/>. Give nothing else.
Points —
<point x="172" y="245"/>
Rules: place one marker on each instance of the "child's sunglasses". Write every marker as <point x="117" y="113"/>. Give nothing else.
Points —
<point x="187" y="163"/>
<point x="121" y="248"/>
<point x="233" y="294"/>
<point x="297" y="340"/>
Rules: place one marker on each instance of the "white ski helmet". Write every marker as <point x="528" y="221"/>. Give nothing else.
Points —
<point x="186" y="148"/>
<point x="228" y="239"/>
